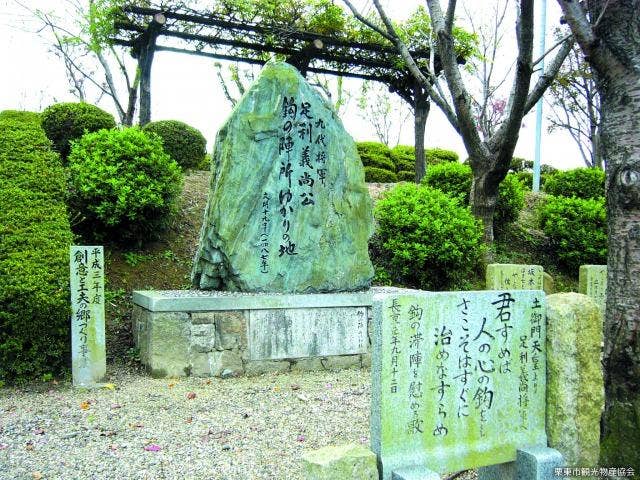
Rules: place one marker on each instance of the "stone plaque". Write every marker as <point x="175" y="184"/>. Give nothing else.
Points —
<point x="88" y="353"/>
<point x="299" y="333"/>
<point x="593" y="283"/>
<point x="458" y="378"/>
<point x="510" y="276"/>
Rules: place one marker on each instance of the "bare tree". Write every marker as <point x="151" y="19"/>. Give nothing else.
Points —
<point x="91" y="64"/>
<point x="575" y="106"/>
<point x="490" y="156"/>
<point x="385" y="113"/>
<point x="608" y="33"/>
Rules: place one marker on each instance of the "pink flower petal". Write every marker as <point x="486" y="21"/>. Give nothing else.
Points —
<point x="152" y="447"/>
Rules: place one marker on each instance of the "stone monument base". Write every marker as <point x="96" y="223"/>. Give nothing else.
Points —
<point x="211" y="333"/>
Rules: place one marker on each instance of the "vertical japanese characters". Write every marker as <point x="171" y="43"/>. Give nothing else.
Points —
<point x="87" y="321"/>
<point x="299" y="178"/>
<point x="482" y="357"/>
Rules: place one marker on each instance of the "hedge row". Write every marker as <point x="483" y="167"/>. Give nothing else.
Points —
<point x="397" y="163"/>
<point x="34" y="254"/>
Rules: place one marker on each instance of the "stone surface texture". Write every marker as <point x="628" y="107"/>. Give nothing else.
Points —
<point x="575" y="388"/>
<point x="288" y="209"/>
<point x="343" y="462"/>
<point x="458" y="378"/>
<point x="217" y="343"/>
<point x="513" y="276"/>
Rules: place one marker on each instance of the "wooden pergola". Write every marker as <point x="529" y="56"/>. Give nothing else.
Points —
<point x="181" y="30"/>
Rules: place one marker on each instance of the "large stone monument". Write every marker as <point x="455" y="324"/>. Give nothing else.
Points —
<point x="282" y="266"/>
<point x="288" y="210"/>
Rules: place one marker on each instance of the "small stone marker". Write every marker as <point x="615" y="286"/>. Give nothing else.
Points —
<point x="278" y="334"/>
<point x="512" y="276"/>
<point x="88" y="352"/>
<point x="288" y="210"/>
<point x="344" y="462"/>
<point x="458" y="379"/>
<point x="593" y="283"/>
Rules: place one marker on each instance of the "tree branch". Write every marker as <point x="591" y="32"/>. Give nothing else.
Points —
<point x="507" y="135"/>
<point x="368" y="23"/>
<point x="461" y="99"/>
<point x="547" y="77"/>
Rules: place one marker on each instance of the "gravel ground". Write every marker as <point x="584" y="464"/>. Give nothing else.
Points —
<point x="144" y="428"/>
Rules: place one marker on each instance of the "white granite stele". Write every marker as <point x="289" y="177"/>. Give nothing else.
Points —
<point x="458" y="382"/>
<point x="88" y="350"/>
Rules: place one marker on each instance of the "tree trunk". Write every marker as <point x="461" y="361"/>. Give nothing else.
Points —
<point x="146" y="49"/>
<point x="620" y="146"/>
<point x="421" y="109"/>
<point x="484" y="192"/>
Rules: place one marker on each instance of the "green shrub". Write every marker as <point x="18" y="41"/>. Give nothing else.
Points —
<point x="435" y="156"/>
<point x="34" y="255"/>
<point x="579" y="183"/>
<point x="65" y="122"/>
<point x="376" y="155"/>
<point x="576" y="229"/>
<point x="510" y="201"/>
<point x="405" y="166"/>
<point x="403" y="157"/>
<point x="185" y="144"/>
<point x="406" y="176"/>
<point x="21" y="116"/>
<point x="452" y="178"/>
<point x="373" y="148"/>
<point x="455" y="180"/>
<point x="519" y="164"/>
<point x="123" y="184"/>
<point x="526" y="179"/>
<point x="425" y="239"/>
<point x="379" y="175"/>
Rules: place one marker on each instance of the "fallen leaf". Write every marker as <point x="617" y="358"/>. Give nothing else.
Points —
<point x="276" y="388"/>
<point x="245" y="415"/>
<point x="36" y="475"/>
<point x="189" y="420"/>
<point x="113" y="447"/>
<point x="207" y="382"/>
<point x="329" y="386"/>
<point x="171" y="385"/>
<point x="302" y="397"/>
<point x="295" y="386"/>
<point x="107" y="433"/>
<point x="38" y="431"/>
<point x="136" y="425"/>
<point x="109" y="386"/>
<point x="29" y="445"/>
<point x="115" y="406"/>
<point x="301" y="438"/>
<point x="4" y="446"/>
<point x="152" y="447"/>
<point x="191" y="395"/>
<point x="85" y="405"/>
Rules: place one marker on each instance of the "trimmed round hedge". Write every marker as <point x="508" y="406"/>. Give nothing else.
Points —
<point x="406" y="176"/>
<point x="579" y="182"/>
<point x="435" y="156"/>
<point x="65" y="122"/>
<point x="425" y="239"/>
<point x="379" y="175"/>
<point x="22" y="116"/>
<point x="577" y="230"/>
<point x="455" y="180"/>
<point x="375" y="155"/>
<point x="183" y="143"/>
<point x="123" y="184"/>
<point x="34" y="255"/>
